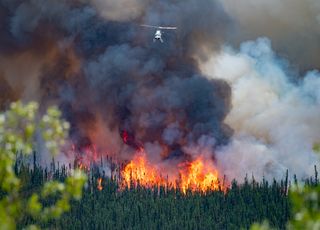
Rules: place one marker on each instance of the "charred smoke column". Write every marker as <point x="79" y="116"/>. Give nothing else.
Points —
<point x="156" y="91"/>
<point x="108" y="76"/>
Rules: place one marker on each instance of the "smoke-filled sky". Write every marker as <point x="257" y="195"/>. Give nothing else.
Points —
<point x="237" y="82"/>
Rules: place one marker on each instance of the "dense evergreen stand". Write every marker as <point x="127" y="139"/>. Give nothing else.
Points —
<point x="160" y="207"/>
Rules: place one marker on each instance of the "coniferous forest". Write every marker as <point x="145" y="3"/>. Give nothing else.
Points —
<point x="138" y="207"/>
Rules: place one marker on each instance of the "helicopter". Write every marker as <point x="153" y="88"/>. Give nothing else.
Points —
<point x="158" y="33"/>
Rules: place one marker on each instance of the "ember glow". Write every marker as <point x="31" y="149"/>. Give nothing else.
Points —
<point x="84" y="156"/>
<point x="99" y="184"/>
<point x="81" y="166"/>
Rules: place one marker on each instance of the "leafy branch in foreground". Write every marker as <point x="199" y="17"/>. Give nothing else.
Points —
<point x="18" y="128"/>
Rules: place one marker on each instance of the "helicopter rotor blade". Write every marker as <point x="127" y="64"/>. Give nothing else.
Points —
<point x="160" y="27"/>
<point x="148" y="26"/>
<point x="167" y="28"/>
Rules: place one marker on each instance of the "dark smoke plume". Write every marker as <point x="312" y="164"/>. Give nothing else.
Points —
<point x="107" y="75"/>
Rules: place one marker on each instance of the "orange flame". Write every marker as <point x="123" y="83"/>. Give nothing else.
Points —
<point x="194" y="176"/>
<point x="138" y="171"/>
<point x="99" y="182"/>
<point x="198" y="175"/>
<point x="81" y="166"/>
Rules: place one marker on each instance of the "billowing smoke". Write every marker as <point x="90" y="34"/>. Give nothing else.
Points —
<point x="276" y="122"/>
<point x="109" y="78"/>
<point x="248" y="110"/>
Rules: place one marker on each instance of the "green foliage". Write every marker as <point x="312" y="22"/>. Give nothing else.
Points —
<point x="18" y="127"/>
<point x="264" y="226"/>
<point x="316" y="147"/>
<point x="54" y="130"/>
<point x="306" y="207"/>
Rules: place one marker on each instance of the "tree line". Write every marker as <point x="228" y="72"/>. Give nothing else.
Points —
<point x="159" y="207"/>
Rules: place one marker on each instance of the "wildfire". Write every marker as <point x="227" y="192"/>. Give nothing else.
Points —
<point x="81" y="166"/>
<point x="194" y="176"/>
<point x="85" y="156"/>
<point x="198" y="175"/>
<point x="99" y="184"/>
<point x="138" y="171"/>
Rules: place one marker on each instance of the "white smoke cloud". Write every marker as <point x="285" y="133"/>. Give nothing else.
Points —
<point x="276" y="121"/>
